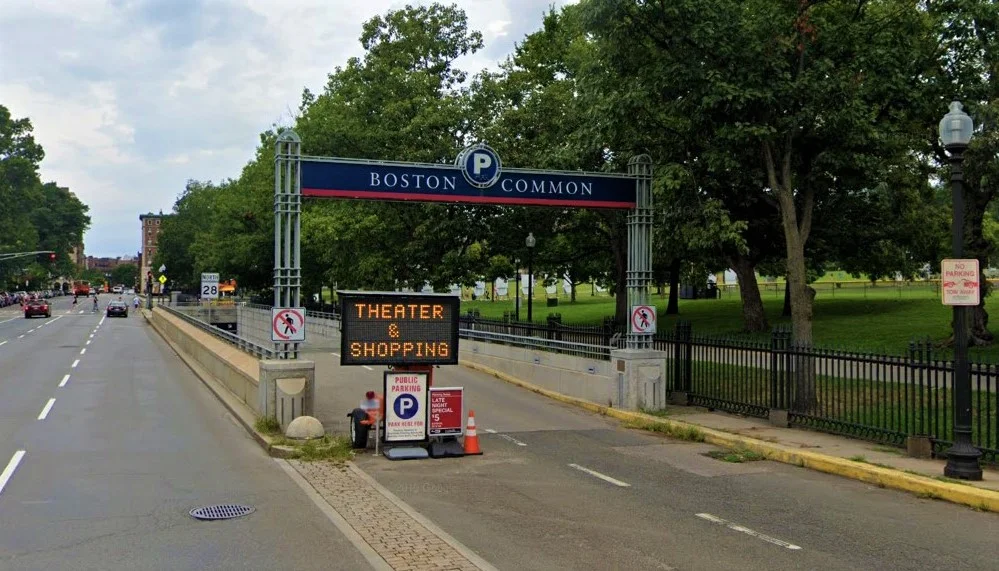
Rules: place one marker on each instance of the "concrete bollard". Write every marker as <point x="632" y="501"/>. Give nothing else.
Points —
<point x="287" y="389"/>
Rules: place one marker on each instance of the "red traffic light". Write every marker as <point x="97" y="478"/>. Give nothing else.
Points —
<point x="52" y="257"/>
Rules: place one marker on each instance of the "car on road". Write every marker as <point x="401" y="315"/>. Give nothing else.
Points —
<point x="37" y="307"/>
<point x="117" y="308"/>
<point x="117" y="289"/>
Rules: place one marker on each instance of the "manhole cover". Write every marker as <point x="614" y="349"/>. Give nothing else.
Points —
<point x="222" y="511"/>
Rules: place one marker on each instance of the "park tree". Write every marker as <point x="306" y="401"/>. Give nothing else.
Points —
<point x="814" y="86"/>
<point x="192" y="217"/>
<point x="125" y="274"/>
<point x="404" y="99"/>
<point x="967" y="69"/>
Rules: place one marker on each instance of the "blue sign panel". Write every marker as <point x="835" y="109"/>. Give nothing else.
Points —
<point x="477" y="178"/>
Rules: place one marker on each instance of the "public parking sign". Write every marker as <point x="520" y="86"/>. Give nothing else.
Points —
<point x="405" y="406"/>
<point x="287" y="324"/>
<point x="209" y="286"/>
<point x="959" y="282"/>
<point x="446" y="411"/>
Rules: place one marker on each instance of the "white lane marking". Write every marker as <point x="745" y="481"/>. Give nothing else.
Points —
<point x="747" y="531"/>
<point x="3" y="342"/>
<point x="64" y="380"/>
<point x="9" y="470"/>
<point x="335" y="354"/>
<point x="101" y="322"/>
<point x="20" y="336"/>
<point x="88" y="341"/>
<point x="512" y="439"/>
<point x="367" y="367"/>
<point x="52" y="320"/>
<point x="6" y="320"/>
<point x="32" y="330"/>
<point x="45" y="411"/>
<point x="490" y="430"/>
<point x="83" y="351"/>
<point x="81" y="312"/>
<point x="75" y="363"/>
<point x="91" y="335"/>
<point x="603" y="477"/>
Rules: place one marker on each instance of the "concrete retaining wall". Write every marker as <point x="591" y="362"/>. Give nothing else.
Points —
<point x="580" y="377"/>
<point x="233" y="368"/>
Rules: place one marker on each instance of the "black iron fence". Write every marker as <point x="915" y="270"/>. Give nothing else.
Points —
<point x="878" y="397"/>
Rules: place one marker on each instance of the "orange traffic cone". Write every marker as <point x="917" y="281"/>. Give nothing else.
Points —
<point x="471" y="437"/>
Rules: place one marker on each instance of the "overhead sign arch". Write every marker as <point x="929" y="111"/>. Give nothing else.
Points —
<point x="476" y="177"/>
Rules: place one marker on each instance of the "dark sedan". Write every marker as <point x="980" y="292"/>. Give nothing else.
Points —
<point x="117" y="309"/>
<point x="37" y="307"/>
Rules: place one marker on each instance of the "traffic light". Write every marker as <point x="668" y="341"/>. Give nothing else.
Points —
<point x="52" y="257"/>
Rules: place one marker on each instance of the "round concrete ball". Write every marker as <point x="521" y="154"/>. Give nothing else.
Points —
<point x="304" y="427"/>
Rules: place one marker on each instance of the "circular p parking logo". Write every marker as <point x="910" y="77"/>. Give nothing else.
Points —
<point x="481" y="166"/>
<point x="406" y="406"/>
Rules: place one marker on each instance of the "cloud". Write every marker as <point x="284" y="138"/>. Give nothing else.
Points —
<point x="132" y="98"/>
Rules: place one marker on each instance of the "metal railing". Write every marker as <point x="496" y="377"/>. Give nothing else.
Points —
<point x="601" y="352"/>
<point x="247" y="345"/>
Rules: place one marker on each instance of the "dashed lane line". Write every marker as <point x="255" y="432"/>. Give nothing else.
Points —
<point x="9" y="470"/>
<point x="46" y="409"/>
<point x="603" y="477"/>
<point x="735" y="527"/>
<point x="75" y="363"/>
<point x="64" y="381"/>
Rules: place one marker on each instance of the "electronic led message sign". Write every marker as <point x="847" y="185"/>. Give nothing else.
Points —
<point x="379" y="328"/>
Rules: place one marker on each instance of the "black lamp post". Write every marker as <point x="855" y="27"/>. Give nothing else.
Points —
<point x="516" y="292"/>
<point x="962" y="458"/>
<point x="530" y="275"/>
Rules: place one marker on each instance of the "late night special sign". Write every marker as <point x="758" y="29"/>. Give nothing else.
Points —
<point x="379" y="328"/>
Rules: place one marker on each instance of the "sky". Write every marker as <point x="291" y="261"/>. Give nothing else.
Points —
<point x="132" y="98"/>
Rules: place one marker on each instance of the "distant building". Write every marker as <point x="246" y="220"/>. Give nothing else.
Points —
<point x="76" y="255"/>
<point x="103" y="265"/>
<point x="150" y="236"/>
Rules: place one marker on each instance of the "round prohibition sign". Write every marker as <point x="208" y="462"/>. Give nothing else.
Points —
<point x="287" y="324"/>
<point x="643" y="319"/>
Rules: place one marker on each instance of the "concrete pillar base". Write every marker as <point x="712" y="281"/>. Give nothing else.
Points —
<point x="641" y="378"/>
<point x="778" y="417"/>
<point x="919" y="446"/>
<point x="287" y="389"/>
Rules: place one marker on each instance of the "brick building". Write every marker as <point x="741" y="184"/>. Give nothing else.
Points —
<point x="150" y="235"/>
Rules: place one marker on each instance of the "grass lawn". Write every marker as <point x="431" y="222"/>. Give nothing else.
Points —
<point x="855" y="317"/>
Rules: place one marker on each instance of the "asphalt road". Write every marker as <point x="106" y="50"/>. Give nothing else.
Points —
<point x="131" y="443"/>
<point x="559" y="488"/>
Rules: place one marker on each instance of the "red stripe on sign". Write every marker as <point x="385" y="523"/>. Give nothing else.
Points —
<point x="329" y="193"/>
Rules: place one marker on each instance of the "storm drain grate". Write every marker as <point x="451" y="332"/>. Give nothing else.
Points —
<point x="221" y="511"/>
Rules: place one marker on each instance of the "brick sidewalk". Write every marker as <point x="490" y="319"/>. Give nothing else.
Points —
<point x="401" y="540"/>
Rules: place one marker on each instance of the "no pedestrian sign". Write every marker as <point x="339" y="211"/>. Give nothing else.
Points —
<point x="959" y="282"/>
<point x="287" y="324"/>
<point x="446" y="411"/>
<point x="643" y="319"/>
<point x="405" y="406"/>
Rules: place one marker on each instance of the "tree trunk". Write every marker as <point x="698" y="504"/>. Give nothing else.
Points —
<point x="673" y="305"/>
<point x="795" y="235"/>
<point x="620" y="247"/>
<point x="754" y="318"/>
<point x="978" y="246"/>
<point x="572" y="292"/>
<point x="786" y="312"/>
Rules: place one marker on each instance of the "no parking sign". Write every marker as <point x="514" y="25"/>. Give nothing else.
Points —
<point x="406" y="406"/>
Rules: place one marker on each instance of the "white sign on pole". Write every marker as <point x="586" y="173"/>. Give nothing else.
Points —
<point x="287" y="324"/>
<point x="643" y="319"/>
<point x="405" y="406"/>
<point x="959" y="282"/>
<point x="209" y="286"/>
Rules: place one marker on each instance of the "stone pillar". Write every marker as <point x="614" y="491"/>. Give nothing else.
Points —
<point x="641" y="378"/>
<point x="287" y="389"/>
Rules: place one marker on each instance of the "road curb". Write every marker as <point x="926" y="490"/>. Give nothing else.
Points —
<point x="923" y="486"/>
<point x="262" y="439"/>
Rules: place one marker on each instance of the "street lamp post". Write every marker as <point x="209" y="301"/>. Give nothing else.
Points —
<point x="962" y="458"/>
<point x="516" y="291"/>
<point x="530" y="275"/>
